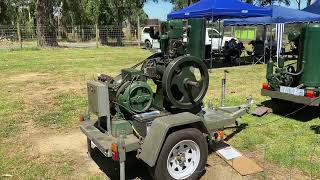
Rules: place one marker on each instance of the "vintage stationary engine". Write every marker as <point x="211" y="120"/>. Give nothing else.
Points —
<point x="304" y="72"/>
<point x="298" y="82"/>
<point x="175" y="80"/>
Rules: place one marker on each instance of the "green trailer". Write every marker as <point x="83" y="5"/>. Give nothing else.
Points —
<point x="167" y="126"/>
<point x="297" y="82"/>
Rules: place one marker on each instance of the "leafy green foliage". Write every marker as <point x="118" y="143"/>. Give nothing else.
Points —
<point x="268" y="2"/>
<point x="183" y="3"/>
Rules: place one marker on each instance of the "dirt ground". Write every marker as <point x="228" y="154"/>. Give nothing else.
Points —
<point x="74" y="144"/>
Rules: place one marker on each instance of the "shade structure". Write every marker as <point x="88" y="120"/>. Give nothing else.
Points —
<point x="279" y="15"/>
<point x="313" y="8"/>
<point x="220" y="9"/>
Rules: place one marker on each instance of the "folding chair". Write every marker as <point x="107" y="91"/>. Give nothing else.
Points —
<point x="258" y="53"/>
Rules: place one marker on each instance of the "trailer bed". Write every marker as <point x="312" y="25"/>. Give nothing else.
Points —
<point x="291" y="98"/>
<point x="103" y="141"/>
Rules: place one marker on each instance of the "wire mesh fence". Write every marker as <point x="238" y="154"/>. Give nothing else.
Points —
<point x="19" y="37"/>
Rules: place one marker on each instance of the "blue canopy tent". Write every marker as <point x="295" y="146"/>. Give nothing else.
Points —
<point x="313" y="8"/>
<point x="219" y="9"/>
<point x="279" y="15"/>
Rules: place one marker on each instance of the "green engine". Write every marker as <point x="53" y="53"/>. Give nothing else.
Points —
<point x="305" y="72"/>
<point x="175" y="80"/>
<point x="180" y="37"/>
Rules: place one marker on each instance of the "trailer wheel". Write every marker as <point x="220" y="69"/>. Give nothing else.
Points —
<point x="183" y="155"/>
<point x="147" y="44"/>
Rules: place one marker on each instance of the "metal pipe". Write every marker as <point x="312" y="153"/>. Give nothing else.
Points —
<point x="108" y="112"/>
<point x="269" y="69"/>
<point x="223" y="87"/>
<point x="122" y="171"/>
<point x="122" y="156"/>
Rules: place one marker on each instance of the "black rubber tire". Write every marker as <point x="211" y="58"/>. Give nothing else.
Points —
<point x="147" y="44"/>
<point x="160" y="171"/>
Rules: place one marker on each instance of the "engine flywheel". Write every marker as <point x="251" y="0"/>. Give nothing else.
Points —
<point x="185" y="82"/>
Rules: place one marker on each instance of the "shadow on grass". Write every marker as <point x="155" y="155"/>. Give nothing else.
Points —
<point x="222" y="144"/>
<point x="134" y="168"/>
<point x="216" y="63"/>
<point x="316" y="129"/>
<point x="238" y="130"/>
<point x="284" y="108"/>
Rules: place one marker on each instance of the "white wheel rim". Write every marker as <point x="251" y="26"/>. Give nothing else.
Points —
<point x="183" y="159"/>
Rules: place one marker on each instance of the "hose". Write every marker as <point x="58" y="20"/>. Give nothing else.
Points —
<point x="298" y="73"/>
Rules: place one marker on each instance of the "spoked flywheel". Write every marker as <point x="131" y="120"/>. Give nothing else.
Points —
<point x="185" y="82"/>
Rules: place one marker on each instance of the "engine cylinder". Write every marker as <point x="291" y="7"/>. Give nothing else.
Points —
<point x="310" y="56"/>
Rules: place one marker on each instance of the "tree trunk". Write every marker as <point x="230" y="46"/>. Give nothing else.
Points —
<point x="103" y="33"/>
<point x="129" y="30"/>
<point x="46" y="30"/>
<point x="119" y="34"/>
<point x="309" y="3"/>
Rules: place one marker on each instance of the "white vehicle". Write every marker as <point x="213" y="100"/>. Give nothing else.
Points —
<point x="214" y="36"/>
<point x="149" y="43"/>
<point x="211" y="35"/>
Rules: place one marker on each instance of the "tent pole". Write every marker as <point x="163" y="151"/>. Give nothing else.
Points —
<point x="211" y="51"/>
<point x="219" y="43"/>
<point x="270" y="43"/>
<point x="264" y="42"/>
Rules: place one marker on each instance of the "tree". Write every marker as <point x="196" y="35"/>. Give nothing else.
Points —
<point x="46" y="30"/>
<point x="4" y="12"/>
<point x="268" y="2"/>
<point x="47" y="15"/>
<point x="299" y="4"/>
<point x="178" y="4"/>
<point x="120" y="10"/>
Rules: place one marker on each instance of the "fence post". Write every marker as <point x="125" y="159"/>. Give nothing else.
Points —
<point x="97" y="35"/>
<point x="139" y="36"/>
<point x="19" y="34"/>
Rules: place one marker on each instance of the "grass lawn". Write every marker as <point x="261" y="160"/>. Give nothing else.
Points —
<point x="44" y="91"/>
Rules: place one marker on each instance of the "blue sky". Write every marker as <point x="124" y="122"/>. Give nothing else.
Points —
<point x="161" y="9"/>
<point x="158" y="10"/>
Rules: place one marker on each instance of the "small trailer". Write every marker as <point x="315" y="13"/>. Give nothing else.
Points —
<point x="297" y="82"/>
<point x="157" y="110"/>
<point x="173" y="145"/>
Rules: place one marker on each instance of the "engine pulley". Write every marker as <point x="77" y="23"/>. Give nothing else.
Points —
<point x="185" y="82"/>
<point x="135" y="96"/>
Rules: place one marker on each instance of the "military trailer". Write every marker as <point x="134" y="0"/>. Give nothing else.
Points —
<point x="297" y="82"/>
<point x="156" y="109"/>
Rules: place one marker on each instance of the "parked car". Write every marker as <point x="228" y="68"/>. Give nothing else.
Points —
<point x="215" y="36"/>
<point x="211" y="35"/>
<point x="149" y="43"/>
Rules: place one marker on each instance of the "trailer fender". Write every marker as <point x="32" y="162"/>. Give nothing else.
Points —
<point x="161" y="128"/>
